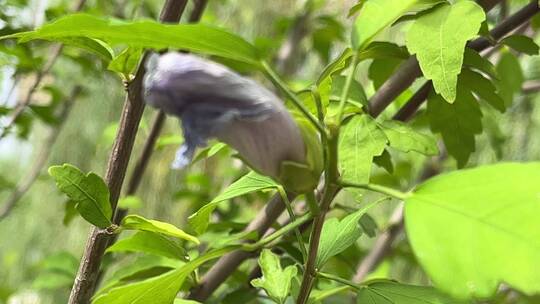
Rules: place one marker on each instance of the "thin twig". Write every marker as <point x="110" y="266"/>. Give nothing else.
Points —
<point x="41" y="158"/>
<point x="55" y="52"/>
<point x="85" y="281"/>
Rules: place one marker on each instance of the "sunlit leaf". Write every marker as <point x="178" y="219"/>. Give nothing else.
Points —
<point x="151" y="243"/>
<point x="136" y="222"/>
<point x="439" y="47"/>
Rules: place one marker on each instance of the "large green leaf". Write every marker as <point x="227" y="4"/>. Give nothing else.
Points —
<point x="338" y="235"/>
<point x="151" y="243"/>
<point x="438" y="39"/>
<point x="376" y="15"/>
<point x="458" y="123"/>
<point x="388" y="292"/>
<point x="248" y="183"/>
<point x="197" y="38"/>
<point x="404" y="138"/>
<point x="136" y="222"/>
<point x="360" y="141"/>
<point x="484" y="224"/>
<point x="276" y="281"/>
<point x="160" y="289"/>
<point x="89" y="192"/>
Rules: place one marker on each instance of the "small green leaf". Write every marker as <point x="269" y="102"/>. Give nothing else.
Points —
<point x="384" y="161"/>
<point x="160" y="289"/>
<point x="151" y="243"/>
<point x="248" y="183"/>
<point x="360" y="141"/>
<point x="438" y="39"/>
<point x="89" y="192"/>
<point x="511" y="77"/>
<point x="126" y="62"/>
<point x="197" y="38"/>
<point x="522" y="43"/>
<point x="473" y="59"/>
<point x="458" y="123"/>
<point x="483" y="88"/>
<point x="275" y="280"/>
<point x="485" y="224"/>
<point x="389" y="292"/>
<point x="357" y="96"/>
<point x="96" y="46"/>
<point x="136" y="222"/>
<point x="338" y="235"/>
<point x="404" y="138"/>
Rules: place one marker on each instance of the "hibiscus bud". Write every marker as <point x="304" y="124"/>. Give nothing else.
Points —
<point x="214" y="102"/>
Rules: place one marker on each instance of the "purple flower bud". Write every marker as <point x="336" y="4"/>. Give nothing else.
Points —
<point x="213" y="101"/>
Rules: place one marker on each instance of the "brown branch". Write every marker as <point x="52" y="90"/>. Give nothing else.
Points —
<point x="55" y="52"/>
<point x="531" y="87"/>
<point x="507" y="26"/>
<point x="87" y="275"/>
<point x="404" y="77"/>
<point x="43" y="154"/>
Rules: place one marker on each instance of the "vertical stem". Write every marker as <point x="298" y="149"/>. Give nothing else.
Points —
<point x="293" y="219"/>
<point x="330" y="190"/>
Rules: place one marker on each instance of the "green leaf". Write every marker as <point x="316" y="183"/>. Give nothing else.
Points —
<point x="438" y="39"/>
<point x="384" y="161"/>
<point x="388" y="292"/>
<point x="522" y="43"/>
<point x="482" y="87"/>
<point x="338" y="235"/>
<point x="160" y="289"/>
<point x="404" y="138"/>
<point x="485" y="224"/>
<point x="197" y="38"/>
<point x="360" y="141"/>
<point x="473" y="59"/>
<point x="136" y="222"/>
<point x="126" y="62"/>
<point x="95" y="46"/>
<point x="275" y="280"/>
<point x="375" y="16"/>
<point x="248" y="183"/>
<point x="381" y="69"/>
<point x="151" y="243"/>
<point x="510" y="77"/>
<point x="89" y="192"/>
<point x="458" y="123"/>
<point x="357" y="96"/>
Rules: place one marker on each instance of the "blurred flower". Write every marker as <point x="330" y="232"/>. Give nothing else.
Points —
<point x="213" y="101"/>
